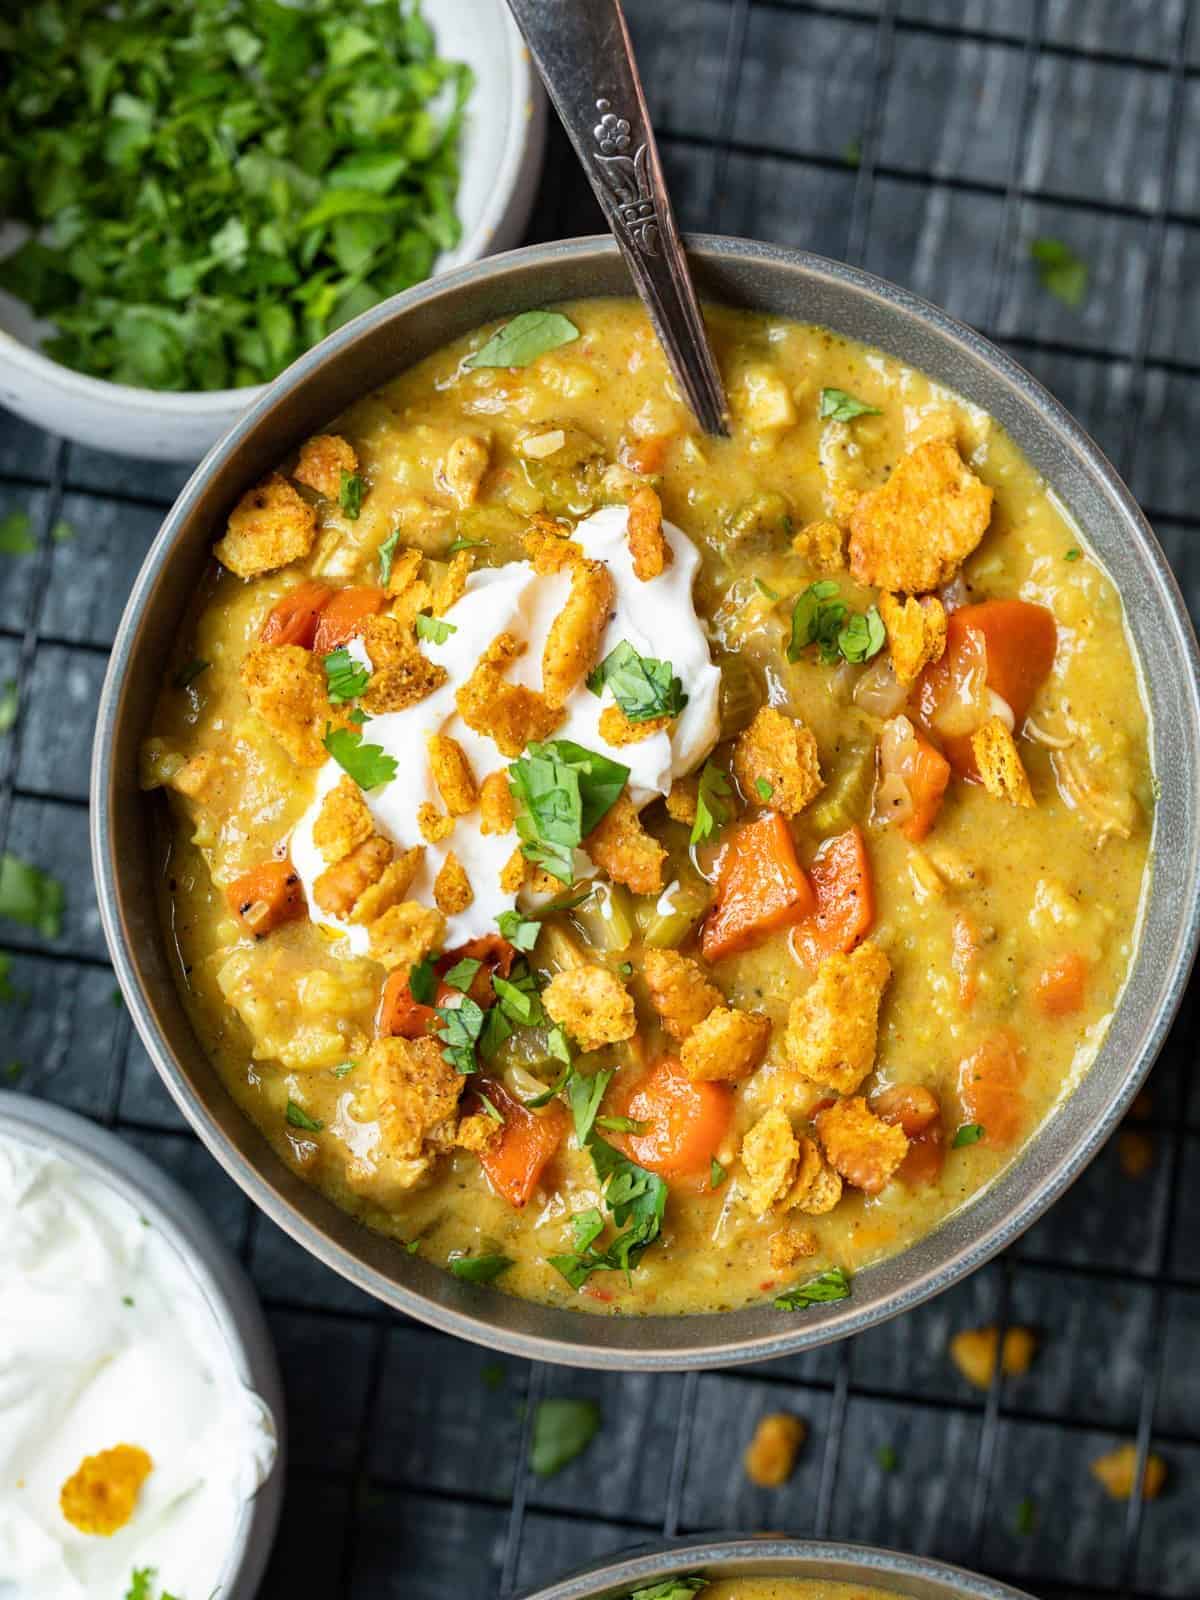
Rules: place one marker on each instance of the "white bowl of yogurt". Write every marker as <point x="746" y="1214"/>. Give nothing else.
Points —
<point x="141" y="1410"/>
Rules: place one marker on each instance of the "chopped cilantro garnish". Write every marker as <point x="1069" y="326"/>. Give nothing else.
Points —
<point x="670" y="1589"/>
<point x="763" y="789"/>
<point x="489" y="1109"/>
<point x="299" y="1118"/>
<point x="387" y="553"/>
<point x="62" y="532"/>
<point x="1060" y="271"/>
<point x="562" y="1430"/>
<point x="16" y="533"/>
<point x="213" y="188"/>
<point x="14" y="1070"/>
<point x="554" y="1089"/>
<point x="1025" y="1519"/>
<point x="826" y="1286"/>
<point x="519" y="1000"/>
<point x="621" y="1125"/>
<point x="464" y="543"/>
<point x="716" y="1174"/>
<point x="461" y="1027"/>
<point x="522" y="340"/>
<point x="350" y="494"/>
<point x="435" y="629"/>
<point x="116" y="999"/>
<point x="345" y="678"/>
<point x="712" y="812"/>
<point x="636" y="1200"/>
<point x="518" y="930"/>
<point x="462" y="974"/>
<point x="10" y="704"/>
<point x="821" y="617"/>
<point x="479" y="1269"/>
<point x="584" y="1096"/>
<point x="887" y="1458"/>
<point x="31" y="896"/>
<point x="561" y="791"/>
<point x="189" y="672"/>
<point x="642" y="687"/>
<point x="8" y="989"/>
<point x="766" y="590"/>
<point x="493" y="1375"/>
<point x="367" y="764"/>
<point x="1073" y="554"/>
<point x="343" y="1068"/>
<point x="139" y="1584"/>
<point x="126" y="1299"/>
<point x="969" y="1133"/>
<point x="423" y="982"/>
<point x="838" y="406"/>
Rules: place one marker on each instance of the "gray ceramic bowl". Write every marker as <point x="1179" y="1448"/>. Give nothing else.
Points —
<point x="769" y="1557"/>
<point x="375" y="348"/>
<point x="219" y="1278"/>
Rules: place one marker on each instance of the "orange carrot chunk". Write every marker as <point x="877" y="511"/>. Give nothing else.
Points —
<point x="1006" y="646"/>
<point x="400" y="1016"/>
<point x="294" y="617"/>
<point x="528" y="1142"/>
<point x="1060" y="987"/>
<point x="345" y="615"/>
<point x="990" y="1088"/>
<point x="686" y="1121"/>
<point x="964" y="958"/>
<point x="845" y="900"/>
<point x="266" y="897"/>
<point x="761" y="888"/>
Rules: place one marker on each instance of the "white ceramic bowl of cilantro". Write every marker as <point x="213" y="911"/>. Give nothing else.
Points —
<point x="501" y="158"/>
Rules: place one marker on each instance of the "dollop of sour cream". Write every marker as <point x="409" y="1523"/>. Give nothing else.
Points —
<point x="657" y="617"/>
<point x="106" y="1339"/>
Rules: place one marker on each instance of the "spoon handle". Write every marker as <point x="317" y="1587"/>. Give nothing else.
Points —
<point x="583" y="52"/>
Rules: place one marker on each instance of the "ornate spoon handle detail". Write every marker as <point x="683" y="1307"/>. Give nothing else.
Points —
<point x="583" y="52"/>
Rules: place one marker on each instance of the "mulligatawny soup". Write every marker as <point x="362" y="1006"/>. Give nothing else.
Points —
<point x="647" y="871"/>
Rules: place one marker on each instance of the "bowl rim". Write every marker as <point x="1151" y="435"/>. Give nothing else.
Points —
<point x="470" y="1317"/>
<point x="198" y="405"/>
<point x="219" y="1278"/>
<point x="770" y="1556"/>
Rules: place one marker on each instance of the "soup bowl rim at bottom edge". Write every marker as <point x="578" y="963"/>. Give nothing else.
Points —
<point x="356" y="360"/>
<point x="767" y="1555"/>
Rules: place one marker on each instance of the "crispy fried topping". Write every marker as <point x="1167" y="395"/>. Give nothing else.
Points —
<point x="616" y="728"/>
<point x="452" y="774"/>
<point x="405" y="934"/>
<point x="819" y="546"/>
<point x="647" y="544"/>
<point x="323" y="459"/>
<point x="592" y="1004"/>
<point x="679" y="990"/>
<point x="622" y="848"/>
<point x="452" y="890"/>
<point x="343" y="821"/>
<point x="338" y="888"/>
<point x="832" y="1026"/>
<point x="509" y="713"/>
<point x="780" y="752"/>
<point x="575" y="634"/>
<point x="916" y="631"/>
<point x="1000" y="765"/>
<point x="914" y="532"/>
<point x="286" y="687"/>
<point x="497" y="814"/>
<point x="726" y="1045"/>
<point x="270" y="526"/>
<point x="858" y="1144"/>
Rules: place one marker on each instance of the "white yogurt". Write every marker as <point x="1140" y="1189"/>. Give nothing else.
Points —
<point x="657" y="618"/>
<point x="105" y="1339"/>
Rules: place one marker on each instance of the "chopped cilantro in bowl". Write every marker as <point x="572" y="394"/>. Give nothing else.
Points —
<point x="210" y="189"/>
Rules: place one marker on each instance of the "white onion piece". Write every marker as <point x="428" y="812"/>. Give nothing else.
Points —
<point x="879" y="692"/>
<point x="955" y="594"/>
<point x="893" y="802"/>
<point x="998" y="706"/>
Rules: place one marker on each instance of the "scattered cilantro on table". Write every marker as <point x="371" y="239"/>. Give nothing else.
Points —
<point x="10" y="704"/>
<point x="1060" y="271"/>
<point x="212" y="188"/>
<point x="31" y="896"/>
<point x="16" y="529"/>
<point x="562" y="1430"/>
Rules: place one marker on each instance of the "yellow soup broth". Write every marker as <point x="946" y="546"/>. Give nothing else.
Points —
<point x="1000" y="933"/>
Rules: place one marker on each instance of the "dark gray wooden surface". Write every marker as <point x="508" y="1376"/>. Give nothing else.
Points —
<point x="977" y="125"/>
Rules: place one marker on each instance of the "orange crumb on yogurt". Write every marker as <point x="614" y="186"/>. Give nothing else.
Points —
<point x="101" y="1493"/>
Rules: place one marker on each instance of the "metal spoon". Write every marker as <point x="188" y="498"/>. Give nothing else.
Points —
<point x="583" y="52"/>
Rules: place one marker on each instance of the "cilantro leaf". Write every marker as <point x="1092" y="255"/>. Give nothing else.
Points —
<point x="463" y="543"/>
<point x="423" y="982"/>
<point x="671" y="1589"/>
<point x="31" y="896"/>
<point x="387" y="554"/>
<point x="479" y="1269"/>
<point x="189" y="672"/>
<point x="561" y="791"/>
<point x="462" y="974"/>
<point x="435" y="629"/>
<point x="461" y="1027"/>
<point x="636" y="1200"/>
<point x="968" y="1133"/>
<point x="863" y="635"/>
<point x="519" y="1000"/>
<point x="838" y="406"/>
<point x="1060" y="271"/>
<point x="62" y="532"/>
<point x="345" y="678"/>
<point x="343" y="1068"/>
<point x="621" y="1125"/>
<point x="584" y="1096"/>
<point x="1073" y="554"/>
<point x="10" y="704"/>
<point x="832" y="1284"/>
<point x="642" y="687"/>
<point x="887" y="1458"/>
<point x="139" y="1584"/>
<point x="821" y="617"/>
<point x="556" y="1088"/>
<point x="16" y="534"/>
<point x="367" y="764"/>
<point x="524" y="339"/>
<point x="716" y="1174"/>
<point x="712" y="811"/>
<point x="350" y="494"/>
<point x="763" y="789"/>
<point x="299" y="1118"/>
<point x="562" y="1430"/>
<point x="519" y="931"/>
